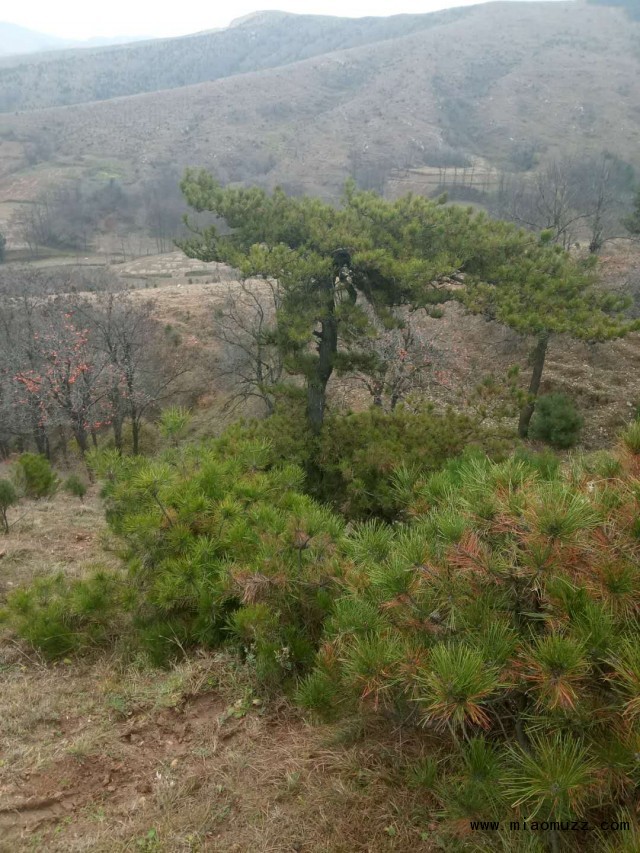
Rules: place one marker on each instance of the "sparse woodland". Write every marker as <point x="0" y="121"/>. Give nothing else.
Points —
<point x="407" y="566"/>
<point x="311" y="537"/>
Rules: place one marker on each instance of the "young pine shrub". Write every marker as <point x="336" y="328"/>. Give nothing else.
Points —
<point x="35" y="476"/>
<point x="222" y="547"/>
<point x="173" y="424"/>
<point x="503" y="618"/>
<point x="360" y="452"/>
<point x="8" y="498"/>
<point x="60" y="617"/>
<point x="75" y="486"/>
<point x="556" y="421"/>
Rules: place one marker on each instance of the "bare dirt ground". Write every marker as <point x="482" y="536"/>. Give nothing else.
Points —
<point x="99" y="757"/>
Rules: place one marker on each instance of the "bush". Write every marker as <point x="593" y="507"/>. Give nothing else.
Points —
<point x="556" y="421"/>
<point x="631" y="438"/>
<point x="221" y="548"/>
<point x="75" y="486"/>
<point x="503" y="617"/>
<point x="35" y="476"/>
<point x="8" y="497"/>
<point x="60" y="617"/>
<point x="351" y="466"/>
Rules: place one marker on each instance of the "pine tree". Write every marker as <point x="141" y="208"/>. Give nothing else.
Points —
<point x="546" y="292"/>
<point x="324" y="258"/>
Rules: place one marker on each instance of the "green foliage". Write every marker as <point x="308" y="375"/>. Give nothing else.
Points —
<point x="402" y="252"/>
<point x="61" y="617"/>
<point x="75" y="486"/>
<point x="221" y="547"/>
<point x="556" y="421"/>
<point x="553" y="779"/>
<point x="546" y="291"/>
<point x="631" y="437"/>
<point x="35" y="476"/>
<point x="8" y="497"/>
<point x="353" y="464"/>
<point x="359" y="453"/>
<point x="423" y="774"/>
<point x="503" y="616"/>
<point x="173" y="423"/>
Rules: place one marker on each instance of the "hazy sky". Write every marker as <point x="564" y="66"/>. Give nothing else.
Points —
<point x="85" y="18"/>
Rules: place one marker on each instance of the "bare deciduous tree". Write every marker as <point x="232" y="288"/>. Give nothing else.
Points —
<point x="245" y="325"/>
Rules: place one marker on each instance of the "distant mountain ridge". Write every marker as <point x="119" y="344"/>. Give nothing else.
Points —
<point x="257" y="42"/>
<point x="16" y="40"/>
<point x="305" y="102"/>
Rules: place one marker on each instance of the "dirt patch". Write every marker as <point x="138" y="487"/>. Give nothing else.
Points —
<point x="95" y="756"/>
<point x="169" y="762"/>
<point x="138" y="750"/>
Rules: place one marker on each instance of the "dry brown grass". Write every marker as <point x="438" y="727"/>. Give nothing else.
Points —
<point x="101" y="759"/>
<point x="96" y="756"/>
<point x="50" y="535"/>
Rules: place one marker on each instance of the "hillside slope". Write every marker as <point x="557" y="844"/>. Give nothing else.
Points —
<point x="262" y="41"/>
<point x="555" y="77"/>
<point x="15" y="41"/>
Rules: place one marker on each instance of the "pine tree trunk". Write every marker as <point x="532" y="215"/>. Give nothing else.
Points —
<point x="538" y="357"/>
<point x="135" y="436"/>
<point x="327" y="349"/>
<point x="117" y="433"/>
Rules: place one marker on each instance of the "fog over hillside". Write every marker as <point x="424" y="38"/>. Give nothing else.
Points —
<point x="16" y="40"/>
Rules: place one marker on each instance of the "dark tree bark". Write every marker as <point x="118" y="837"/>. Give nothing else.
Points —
<point x="538" y="357"/>
<point x="327" y="349"/>
<point x="116" y="424"/>
<point x="327" y="345"/>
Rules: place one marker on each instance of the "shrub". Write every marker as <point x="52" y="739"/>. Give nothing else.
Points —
<point x="556" y="421"/>
<point x="360" y="452"/>
<point x="35" y="476"/>
<point x="221" y="548"/>
<point x="504" y="616"/>
<point x="351" y="466"/>
<point x="8" y="497"/>
<point x="60" y="617"/>
<point x="631" y="438"/>
<point x="173" y="423"/>
<point x="75" y="486"/>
